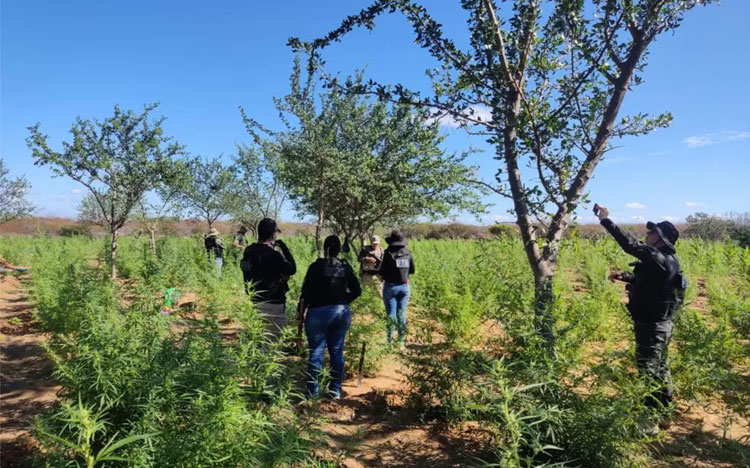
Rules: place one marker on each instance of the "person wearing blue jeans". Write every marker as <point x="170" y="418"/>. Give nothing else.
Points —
<point x="215" y="248"/>
<point x="396" y="298"/>
<point x="396" y="268"/>
<point x="329" y="287"/>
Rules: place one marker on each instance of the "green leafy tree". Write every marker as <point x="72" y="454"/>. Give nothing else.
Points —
<point x="163" y="204"/>
<point x="117" y="159"/>
<point x="13" y="203"/>
<point x="544" y="82"/>
<point x="89" y="211"/>
<point x="211" y="189"/>
<point x="263" y="194"/>
<point x="354" y="162"/>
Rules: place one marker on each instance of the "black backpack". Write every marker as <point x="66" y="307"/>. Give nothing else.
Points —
<point x="335" y="277"/>
<point x="677" y="288"/>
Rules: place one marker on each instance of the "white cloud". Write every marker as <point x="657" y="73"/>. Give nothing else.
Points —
<point x="482" y="113"/>
<point x="635" y="206"/>
<point x="638" y="218"/>
<point x="738" y="136"/>
<point x="76" y="191"/>
<point x="707" y="139"/>
<point x="698" y="141"/>
<point x="669" y="218"/>
<point x="692" y="204"/>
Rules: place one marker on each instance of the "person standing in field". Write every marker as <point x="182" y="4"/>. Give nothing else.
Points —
<point x="655" y="289"/>
<point x="397" y="266"/>
<point x="370" y="259"/>
<point x="266" y="272"/>
<point x="215" y="248"/>
<point x="329" y="287"/>
<point x="239" y="242"/>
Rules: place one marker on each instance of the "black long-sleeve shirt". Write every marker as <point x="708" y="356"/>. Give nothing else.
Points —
<point x="330" y="282"/>
<point x="655" y="277"/>
<point x="215" y="246"/>
<point x="397" y="265"/>
<point x="269" y="271"/>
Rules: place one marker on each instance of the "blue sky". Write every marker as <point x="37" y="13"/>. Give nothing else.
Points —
<point x="201" y="60"/>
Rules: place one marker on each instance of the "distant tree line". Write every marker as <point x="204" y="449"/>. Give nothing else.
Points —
<point x="351" y="162"/>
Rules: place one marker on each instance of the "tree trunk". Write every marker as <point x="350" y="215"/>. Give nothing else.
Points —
<point x="152" y="239"/>
<point x="113" y="254"/>
<point x="319" y="229"/>
<point x="544" y="303"/>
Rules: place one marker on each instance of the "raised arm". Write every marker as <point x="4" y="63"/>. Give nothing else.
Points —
<point x="287" y="266"/>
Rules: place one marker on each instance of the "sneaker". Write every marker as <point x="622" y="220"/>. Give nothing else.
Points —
<point x="401" y="346"/>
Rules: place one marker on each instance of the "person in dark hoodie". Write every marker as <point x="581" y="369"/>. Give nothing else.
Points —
<point x="397" y="265"/>
<point x="266" y="272"/>
<point x="656" y="290"/>
<point x="329" y="287"/>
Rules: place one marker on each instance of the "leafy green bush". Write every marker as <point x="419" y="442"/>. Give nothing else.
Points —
<point x="134" y="371"/>
<point x="71" y="230"/>
<point x="503" y="230"/>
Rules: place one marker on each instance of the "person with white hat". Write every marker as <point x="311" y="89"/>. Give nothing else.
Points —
<point x="370" y="258"/>
<point x="215" y="248"/>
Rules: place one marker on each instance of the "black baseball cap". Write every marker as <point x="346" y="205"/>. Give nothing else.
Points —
<point x="666" y="231"/>
<point x="267" y="227"/>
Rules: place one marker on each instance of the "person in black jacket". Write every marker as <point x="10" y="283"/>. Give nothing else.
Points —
<point x="655" y="291"/>
<point x="329" y="287"/>
<point x="215" y="248"/>
<point x="397" y="265"/>
<point x="266" y="272"/>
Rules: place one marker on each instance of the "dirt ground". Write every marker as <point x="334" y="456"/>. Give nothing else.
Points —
<point x="26" y="386"/>
<point x="371" y="426"/>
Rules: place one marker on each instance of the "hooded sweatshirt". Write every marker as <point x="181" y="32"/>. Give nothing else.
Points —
<point x="269" y="271"/>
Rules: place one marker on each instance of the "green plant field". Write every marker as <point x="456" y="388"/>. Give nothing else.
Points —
<point x="203" y="387"/>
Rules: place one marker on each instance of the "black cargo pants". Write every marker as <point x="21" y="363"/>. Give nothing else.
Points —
<point x="651" y="356"/>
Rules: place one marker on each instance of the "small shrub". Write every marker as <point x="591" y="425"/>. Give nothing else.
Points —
<point x="503" y="230"/>
<point x="71" y="230"/>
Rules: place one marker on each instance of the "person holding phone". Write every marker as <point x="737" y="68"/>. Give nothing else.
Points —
<point x="266" y="267"/>
<point x="396" y="268"/>
<point x="656" y="289"/>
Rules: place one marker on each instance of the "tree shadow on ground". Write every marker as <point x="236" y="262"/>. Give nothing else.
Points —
<point x="688" y="448"/>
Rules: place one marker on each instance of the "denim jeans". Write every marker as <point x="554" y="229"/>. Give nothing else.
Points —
<point x="326" y="327"/>
<point x="219" y="263"/>
<point x="395" y="298"/>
